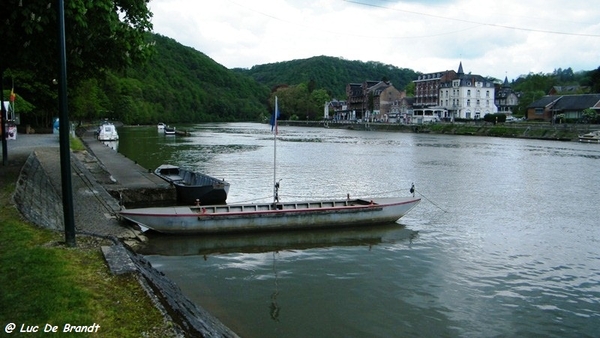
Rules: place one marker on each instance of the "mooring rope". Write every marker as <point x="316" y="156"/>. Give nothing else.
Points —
<point x="430" y="201"/>
<point x="254" y="199"/>
<point x="387" y="193"/>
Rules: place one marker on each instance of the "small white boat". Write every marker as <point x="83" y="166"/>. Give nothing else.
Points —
<point x="591" y="137"/>
<point x="161" y="126"/>
<point x="169" y="130"/>
<point x="107" y="132"/>
<point x="271" y="216"/>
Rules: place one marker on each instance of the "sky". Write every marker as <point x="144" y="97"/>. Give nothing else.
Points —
<point x="495" y="38"/>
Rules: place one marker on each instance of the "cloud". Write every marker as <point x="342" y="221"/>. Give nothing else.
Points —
<point x="498" y="39"/>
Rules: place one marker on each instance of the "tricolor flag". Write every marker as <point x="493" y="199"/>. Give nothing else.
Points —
<point x="274" y="117"/>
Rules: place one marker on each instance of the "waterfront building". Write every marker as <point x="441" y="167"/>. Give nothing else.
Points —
<point x="372" y="100"/>
<point x="507" y="99"/>
<point x="427" y="88"/>
<point x="467" y="96"/>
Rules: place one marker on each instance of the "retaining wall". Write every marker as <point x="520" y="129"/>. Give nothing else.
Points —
<point x="36" y="196"/>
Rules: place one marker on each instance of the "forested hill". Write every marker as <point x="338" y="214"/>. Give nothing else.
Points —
<point x="181" y="84"/>
<point x="329" y="73"/>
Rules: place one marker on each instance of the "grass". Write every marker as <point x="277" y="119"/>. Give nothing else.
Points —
<point x="45" y="282"/>
<point x="76" y="144"/>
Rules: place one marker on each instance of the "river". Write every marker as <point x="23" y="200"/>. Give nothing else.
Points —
<point x="505" y="242"/>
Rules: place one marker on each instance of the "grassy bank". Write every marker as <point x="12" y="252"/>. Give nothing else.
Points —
<point x="45" y="282"/>
<point x="527" y="130"/>
<point x="535" y="131"/>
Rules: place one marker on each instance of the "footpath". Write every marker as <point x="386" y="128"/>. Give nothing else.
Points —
<point x="95" y="172"/>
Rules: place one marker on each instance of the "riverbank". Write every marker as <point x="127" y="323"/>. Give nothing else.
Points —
<point x="111" y="278"/>
<point x="526" y="130"/>
<point x="52" y="284"/>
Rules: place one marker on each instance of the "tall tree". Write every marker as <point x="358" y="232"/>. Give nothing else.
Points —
<point x="99" y="34"/>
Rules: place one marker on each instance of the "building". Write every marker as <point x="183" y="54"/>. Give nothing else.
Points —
<point x="402" y="111"/>
<point x="384" y="97"/>
<point x="467" y="96"/>
<point x="571" y="107"/>
<point x="507" y="99"/>
<point x="357" y="98"/>
<point x="372" y="100"/>
<point x="427" y="87"/>
<point x="338" y="111"/>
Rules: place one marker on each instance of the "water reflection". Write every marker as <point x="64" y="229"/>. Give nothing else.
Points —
<point x="159" y="244"/>
<point x="507" y="235"/>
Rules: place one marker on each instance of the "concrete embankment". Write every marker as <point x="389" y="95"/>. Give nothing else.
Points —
<point x="525" y="130"/>
<point x="38" y="195"/>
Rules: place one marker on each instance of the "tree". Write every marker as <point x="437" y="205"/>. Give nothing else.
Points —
<point x="594" y="80"/>
<point x="99" y="34"/>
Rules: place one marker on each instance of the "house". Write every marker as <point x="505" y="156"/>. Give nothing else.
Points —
<point x="570" y="106"/>
<point x="507" y="99"/>
<point x="467" y="96"/>
<point x="427" y="87"/>
<point x="402" y="110"/>
<point x="384" y="97"/>
<point x="338" y="111"/>
<point x="372" y="100"/>
<point x="355" y="97"/>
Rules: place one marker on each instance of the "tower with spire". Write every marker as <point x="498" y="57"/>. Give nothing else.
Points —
<point x="506" y="98"/>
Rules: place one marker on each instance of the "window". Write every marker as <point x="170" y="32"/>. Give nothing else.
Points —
<point x="468" y="103"/>
<point x="469" y="92"/>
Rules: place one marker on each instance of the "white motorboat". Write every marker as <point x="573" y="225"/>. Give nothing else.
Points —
<point x="107" y="132"/>
<point x="591" y="137"/>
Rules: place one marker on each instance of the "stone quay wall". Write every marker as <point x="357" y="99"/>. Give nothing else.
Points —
<point x="36" y="197"/>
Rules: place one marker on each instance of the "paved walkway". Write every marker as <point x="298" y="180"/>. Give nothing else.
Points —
<point x="24" y="144"/>
<point x="94" y="208"/>
<point x="124" y="171"/>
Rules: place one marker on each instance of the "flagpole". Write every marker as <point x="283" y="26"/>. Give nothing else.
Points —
<point x="275" y="197"/>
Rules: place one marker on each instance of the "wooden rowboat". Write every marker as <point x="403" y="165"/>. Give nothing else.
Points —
<point x="271" y="216"/>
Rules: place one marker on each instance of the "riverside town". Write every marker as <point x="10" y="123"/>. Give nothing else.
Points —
<point x="299" y="168"/>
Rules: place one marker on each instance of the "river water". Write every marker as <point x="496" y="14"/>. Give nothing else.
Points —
<point x="505" y="242"/>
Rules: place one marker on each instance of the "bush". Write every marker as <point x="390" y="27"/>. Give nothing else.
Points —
<point x="495" y="118"/>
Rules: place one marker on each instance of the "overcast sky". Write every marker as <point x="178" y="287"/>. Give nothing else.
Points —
<point x="491" y="38"/>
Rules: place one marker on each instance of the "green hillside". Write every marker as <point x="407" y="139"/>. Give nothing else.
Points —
<point x="329" y="73"/>
<point x="179" y="84"/>
<point x="183" y="84"/>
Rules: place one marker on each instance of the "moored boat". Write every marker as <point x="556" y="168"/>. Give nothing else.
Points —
<point x="192" y="186"/>
<point x="107" y="132"/>
<point x="591" y="137"/>
<point x="271" y="216"/>
<point x="169" y="130"/>
<point x="161" y="126"/>
<point x="320" y="214"/>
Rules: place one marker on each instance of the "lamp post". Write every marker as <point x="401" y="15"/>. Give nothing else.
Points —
<point x="3" y="120"/>
<point x="65" y="153"/>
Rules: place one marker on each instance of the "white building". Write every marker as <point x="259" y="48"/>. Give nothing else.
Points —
<point x="467" y="96"/>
